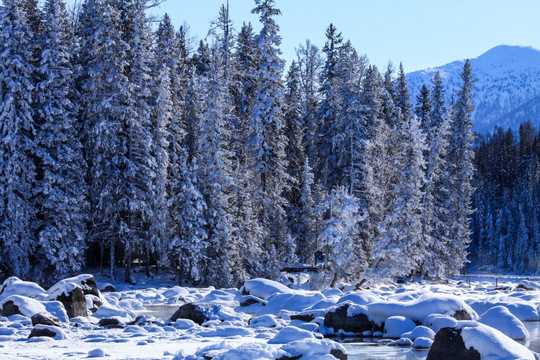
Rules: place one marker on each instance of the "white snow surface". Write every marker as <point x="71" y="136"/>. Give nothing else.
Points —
<point x="235" y="333"/>
<point x="15" y="286"/>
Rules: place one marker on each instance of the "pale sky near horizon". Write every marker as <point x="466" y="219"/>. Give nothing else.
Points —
<point x="419" y="33"/>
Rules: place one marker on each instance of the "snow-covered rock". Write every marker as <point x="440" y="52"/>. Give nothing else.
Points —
<point x="16" y="286"/>
<point x="523" y="310"/>
<point x="422" y="343"/>
<point x="348" y="317"/>
<point x="48" y="331"/>
<point x="263" y="288"/>
<point x="419" y="309"/>
<point x="437" y="321"/>
<point x="289" y="334"/>
<point x="419" y="331"/>
<point x="500" y="318"/>
<point x="474" y="340"/>
<point x="395" y="326"/>
<point x="16" y="304"/>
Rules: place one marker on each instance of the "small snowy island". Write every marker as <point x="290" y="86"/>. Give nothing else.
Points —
<point x="81" y="318"/>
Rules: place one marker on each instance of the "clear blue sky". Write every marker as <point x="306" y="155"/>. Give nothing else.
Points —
<point x="420" y="33"/>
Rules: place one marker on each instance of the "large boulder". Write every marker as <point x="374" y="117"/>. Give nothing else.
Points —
<point x="48" y="331"/>
<point x="200" y="313"/>
<point x="85" y="281"/>
<point x="347" y="317"/>
<point x="15" y="304"/>
<point x="449" y="345"/>
<point x="15" y="286"/>
<point x="473" y="340"/>
<point x="73" y="299"/>
<point x="45" y="319"/>
<point x="193" y="312"/>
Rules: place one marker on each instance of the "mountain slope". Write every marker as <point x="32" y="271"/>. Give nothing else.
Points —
<point x="507" y="90"/>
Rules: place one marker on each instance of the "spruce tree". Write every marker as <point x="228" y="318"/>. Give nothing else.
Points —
<point x="461" y="169"/>
<point x="18" y="147"/>
<point x="61" y="189"/>
<point x="267" y="141"/>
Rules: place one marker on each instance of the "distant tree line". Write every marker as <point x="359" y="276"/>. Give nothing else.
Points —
<point x="506" y="232"/>
<point x="122" y="144"/>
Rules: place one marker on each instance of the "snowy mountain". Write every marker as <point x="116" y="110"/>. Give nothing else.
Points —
<point x="507" y="90"/>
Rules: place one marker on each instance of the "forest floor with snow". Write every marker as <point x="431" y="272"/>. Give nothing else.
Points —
<point x="497" y="316"/>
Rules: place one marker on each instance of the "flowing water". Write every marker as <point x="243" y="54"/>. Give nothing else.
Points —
<point x="367" y="348"/>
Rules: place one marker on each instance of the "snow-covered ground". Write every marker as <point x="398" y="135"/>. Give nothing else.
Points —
<point x="395" y="314"/>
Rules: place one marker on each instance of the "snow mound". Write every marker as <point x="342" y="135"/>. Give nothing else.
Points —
<point x="264" y="288"/>
<point x="109" y="311"/>
<point x="419" y="332"/>
<point x="97" y="353"/>
<point x="419" y="309"/>
<point x="227" y="331"/>
<point x="491" y="343"/>
<point x="65" y="286"/>
<point x="437" y="321"/>
<point x="16" y="286"/>
<point x="313" y="349"/>
<point x="268" y="321"/>
<point x="27" y="306"/>
<point x="289" y="334"/>
<point x="360" y="298"/>
<point x="395" y="326"/>
<point x="422" y="343"/>
<point x="501" y="318"/>
<point x="227" y="351"/>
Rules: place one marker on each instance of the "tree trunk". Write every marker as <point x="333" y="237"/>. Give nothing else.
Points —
<point x="127" y="266"/>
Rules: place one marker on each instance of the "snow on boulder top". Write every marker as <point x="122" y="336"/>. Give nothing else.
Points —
<point x="395" y="326"/>
<point x="289" y="334"/>
<point x="419" y="309"/>
<point x="500" y="318"/>
<point x="491" y="343"/>
<point x="27" y="306"/>
<point x="263" y="288"/>
<point x="16" y="286"/>
<point x="84" y="281"/>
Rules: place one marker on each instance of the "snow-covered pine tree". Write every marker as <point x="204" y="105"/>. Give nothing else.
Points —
<point x="460" y="172"/>
<point x="244" y="83"/>
<point x="294" y="130"/>
<point x="189" y="227"/>
<point x="338" y="238"/>
<point x="401" y="250"/>
<point x="17" y="145"/>
<point x="329" y="109"/>
<point x="310" y="63"/>
<point x="435" y="219"/>
<point x="61" y="188"/>
<point x="266" y="146"/>
<point x="349" y="137"/>
<point x="215" y="175"/>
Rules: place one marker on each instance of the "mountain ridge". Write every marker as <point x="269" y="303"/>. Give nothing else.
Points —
<point x="507" y="90"/>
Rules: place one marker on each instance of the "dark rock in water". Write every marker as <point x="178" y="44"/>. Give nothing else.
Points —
<point x="9" y="309"/>
<point x="338" y="354"/>
<point x="337" y="318"/>
<point x="38" y="332"/>
<point x="449" y="345"/>
<point x="45" y="319"/>
<point x="111" y="323"/>
<point x="109" y="288"/>
<point x="191" y="311"/>
<point x="74" y="302"/>
<point x="462" y="315"/>
<point x="303" y="317"/>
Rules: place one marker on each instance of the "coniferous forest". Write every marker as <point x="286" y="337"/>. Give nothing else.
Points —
<point x="125" y="142"/>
